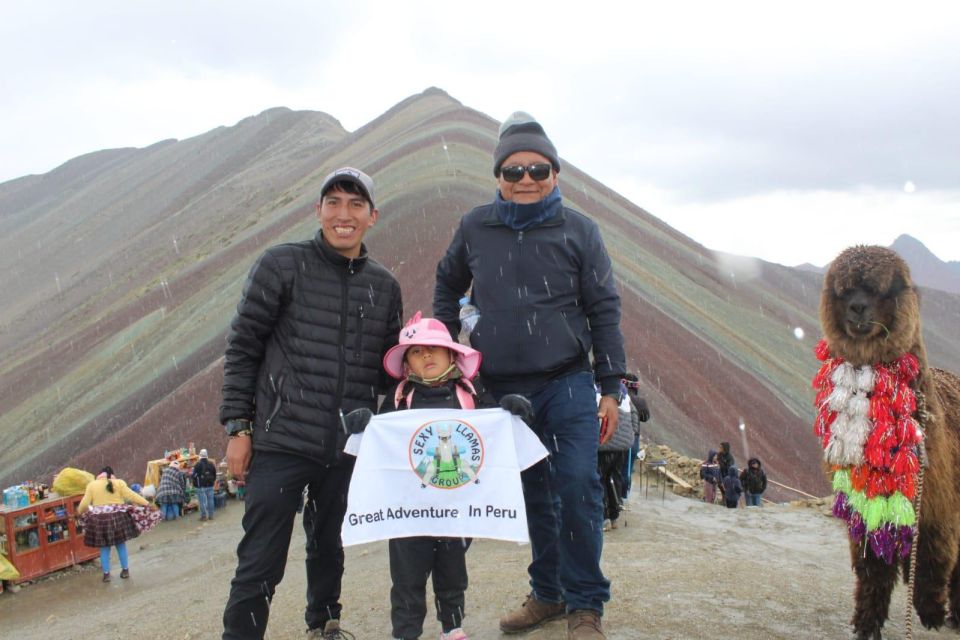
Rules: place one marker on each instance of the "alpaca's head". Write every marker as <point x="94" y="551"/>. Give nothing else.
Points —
<point x="869" y="308"/>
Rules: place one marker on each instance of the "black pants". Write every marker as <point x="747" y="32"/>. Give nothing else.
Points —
<point x="609" y="465"/>
<point x="412" y="560"/>
<point x="274" y="486"/>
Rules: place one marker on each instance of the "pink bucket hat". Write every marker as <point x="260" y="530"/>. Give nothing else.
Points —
<point x="429" y="332"/>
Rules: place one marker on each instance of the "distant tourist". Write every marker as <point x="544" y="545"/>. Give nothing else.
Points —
<point x="172" y="492"/>
<point x="543" y="282"/>
<point x="306" y="346"/>
<point x="725" y="460"/>
<point x="710" y="474"/>
<point x="640" y="412"/>
<point x="109" y="520"/>
<point x="732" y="488"/>
<point x="204" y="477"/>
<point x="610" y="461"/>
<point x="754" y="481"/>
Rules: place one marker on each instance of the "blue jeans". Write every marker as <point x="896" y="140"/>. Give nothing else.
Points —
<point x="753" y="499"/>
<point x="171" y="510"/>
<point x="205" y="497"/>
<point x="121" y="553"/>
<point x="564" y="498"/>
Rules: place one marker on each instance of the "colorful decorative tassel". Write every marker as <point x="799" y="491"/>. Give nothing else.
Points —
<point x="869" y="436"/>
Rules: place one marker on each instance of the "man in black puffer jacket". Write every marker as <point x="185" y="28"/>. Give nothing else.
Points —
<point x="305" y="347"/>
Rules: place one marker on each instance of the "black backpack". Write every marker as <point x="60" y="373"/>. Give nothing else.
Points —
<point x="208" y="473"/>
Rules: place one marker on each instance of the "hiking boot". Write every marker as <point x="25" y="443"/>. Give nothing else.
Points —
<point x="615" y="524"/>
<point x="331" y="631"/>
<point x="531" y="614"/>
<point x="106" y="576"/>
<point x="584" y="624"/>
<point x="607" y="525"/>
<point x="125" y="574"/>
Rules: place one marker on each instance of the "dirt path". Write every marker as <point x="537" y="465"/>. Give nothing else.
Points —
<point x="680" y="569"/>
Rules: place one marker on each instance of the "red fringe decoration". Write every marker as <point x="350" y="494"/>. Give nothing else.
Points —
<point x="890" y="457"/>
<point x="822" y="351"/>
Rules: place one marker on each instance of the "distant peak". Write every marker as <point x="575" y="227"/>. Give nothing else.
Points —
<point x="908" y="245"/>
<point x="435" y="91"/>
<point x="272" y="111"/>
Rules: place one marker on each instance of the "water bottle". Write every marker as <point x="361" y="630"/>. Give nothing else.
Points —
<point x="469" y="316"/>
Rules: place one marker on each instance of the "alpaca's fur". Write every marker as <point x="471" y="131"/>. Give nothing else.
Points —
<point x="870" y="312"/>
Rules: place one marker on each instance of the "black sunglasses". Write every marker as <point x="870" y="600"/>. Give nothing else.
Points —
<point x="537" y="171"/>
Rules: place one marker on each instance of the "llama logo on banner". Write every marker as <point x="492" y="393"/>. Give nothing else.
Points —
<point x="446" y="454"/>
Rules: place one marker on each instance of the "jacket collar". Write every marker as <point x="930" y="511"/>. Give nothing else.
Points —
<point x="492" y="219"/>
<point x="328" y="253"/>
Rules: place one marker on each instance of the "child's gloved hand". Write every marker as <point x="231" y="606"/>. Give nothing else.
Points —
<point x="357" y="420"/>
<point x="518" y="406"/>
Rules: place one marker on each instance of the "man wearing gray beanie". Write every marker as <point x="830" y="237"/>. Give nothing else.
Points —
<point x="543" y="283"/>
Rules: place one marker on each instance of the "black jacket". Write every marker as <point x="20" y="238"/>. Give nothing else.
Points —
<point x="725" y="459"/>
<point x="754" y="480"/>
<point x="546" y="296"/>
<point x="308" y="341"/>
<point x="204" y="473"/>
<point x="731" y="486"/>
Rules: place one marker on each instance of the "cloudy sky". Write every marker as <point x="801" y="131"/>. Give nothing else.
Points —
<point x="785" y="131"/>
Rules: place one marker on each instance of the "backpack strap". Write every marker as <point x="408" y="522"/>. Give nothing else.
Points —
<point x="398" y="395"/>
<point x="465" y="394"/>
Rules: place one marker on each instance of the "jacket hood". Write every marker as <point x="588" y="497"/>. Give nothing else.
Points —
<point x="757" y="460"/>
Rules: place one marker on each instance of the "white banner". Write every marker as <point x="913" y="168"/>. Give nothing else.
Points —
<point x="440" y="472"/>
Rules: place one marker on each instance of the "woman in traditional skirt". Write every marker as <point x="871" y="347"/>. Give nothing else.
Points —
<point x="109" y="520"/>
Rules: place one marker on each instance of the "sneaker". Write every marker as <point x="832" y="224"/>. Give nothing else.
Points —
<point x="202" y="518"/>
<point x="584" y="624"/>
<point x="125" y="574"/>
<point x="454" y="634"/>
<point x="607" y="525"/>
<point x="106" y="577"/>
<point x="331" y="631"/>
<point x="531" y="614"/>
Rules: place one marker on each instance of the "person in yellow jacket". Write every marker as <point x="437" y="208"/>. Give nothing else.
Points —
<point x="109" y="519"/>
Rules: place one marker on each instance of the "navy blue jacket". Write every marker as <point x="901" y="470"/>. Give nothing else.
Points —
<point x="546" y="296"/>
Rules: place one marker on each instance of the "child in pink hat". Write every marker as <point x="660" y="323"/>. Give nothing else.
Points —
<point x="433" y="372"/>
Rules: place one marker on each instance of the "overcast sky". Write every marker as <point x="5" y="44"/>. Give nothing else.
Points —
<point x="776" y="130"/>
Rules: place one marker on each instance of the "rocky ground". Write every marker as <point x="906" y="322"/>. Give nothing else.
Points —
<point x="680" y="569"/>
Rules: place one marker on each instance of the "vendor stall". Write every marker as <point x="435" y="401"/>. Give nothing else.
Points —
<point x="155" y="468"/>
<point x="43" y="536"/>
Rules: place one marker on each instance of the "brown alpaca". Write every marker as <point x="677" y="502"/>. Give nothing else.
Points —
<point x="870" y="313"/>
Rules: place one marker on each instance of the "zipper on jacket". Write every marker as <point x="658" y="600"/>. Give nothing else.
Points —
<point x="277" y="389"/>
<point x="518" y="270"/>
<point x="356" y="351"/>
<point x="341" y="342"/>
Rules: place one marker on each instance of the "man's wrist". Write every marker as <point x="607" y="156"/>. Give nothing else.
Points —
<point x="610" y="386"/>
<point x="238" y="427"/>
